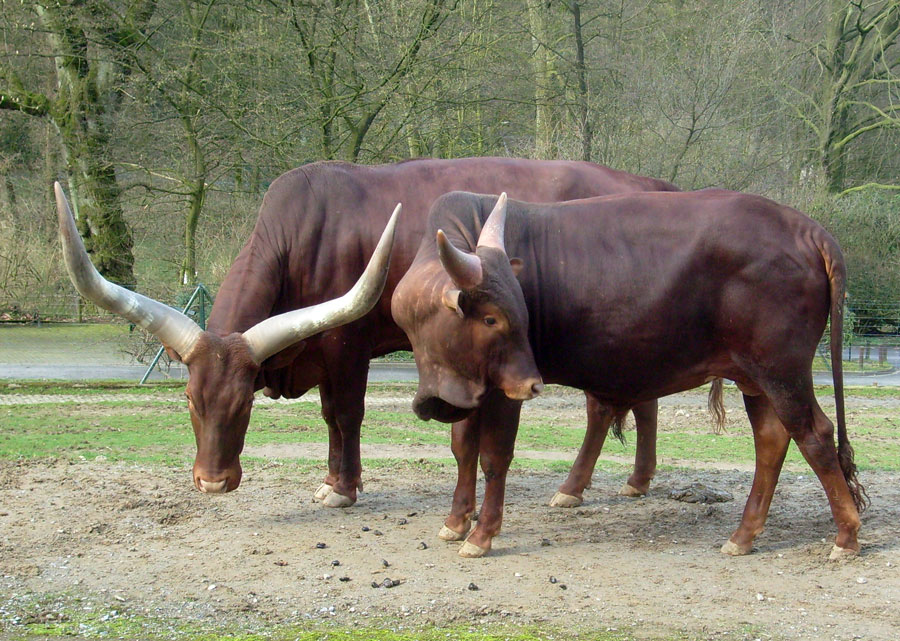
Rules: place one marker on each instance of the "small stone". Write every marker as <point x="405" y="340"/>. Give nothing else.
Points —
<point x="378" y="533"/>
<point x="546" y="542"/>
<point x="344" y="579"/>
<point x="335" y="563"/>
<point x="376" y="584"/>
<point x="365" y="528"/>
<point x="211" y="586"/>
<point x="402" y="522"/>
<point x="412" y="514"/>
<point x="562" y="586"/>
<point x="423" y="545"/>
<point x="280" y="563"/>
<point x="553" y="579"/>
<point x="760" y="597"/>
<point x="473" y="587"/>
<point x="385" y="563"/>
<point x="862" y="579"/>
<point x="518" y="575"/>
<point x="321" y="546"/>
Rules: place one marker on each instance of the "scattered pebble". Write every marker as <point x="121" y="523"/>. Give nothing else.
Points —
<point x="518" y="575"/>
<point x="546" y="542"/>
<point x="562" y="586"/>
<point x="387" y="583"/>
<point x="344" y="579"/>
<point x="423" y="545"/>
<point x="385" y="563"/>
<point x="473" y="587"/>
<point x="553" y="579"/>
<point x="365" y="528"/>
<point x="321" y="546"/>
<point x="335" y="563"/>
<point x="412" y="514"/>
<point x="377" y="533"/>
<point x="281" y="563"/>
<point x="402" y="522"/>
<point x="211" y="586"/>
<point x="760" y="597"/>
<point x="862" y="579"/>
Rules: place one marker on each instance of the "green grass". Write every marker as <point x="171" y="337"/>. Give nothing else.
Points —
<point x="67" y="616"/>
<point x="157" y="430"/>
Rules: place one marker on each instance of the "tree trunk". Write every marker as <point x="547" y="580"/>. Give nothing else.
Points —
<point x="543" y="71"/>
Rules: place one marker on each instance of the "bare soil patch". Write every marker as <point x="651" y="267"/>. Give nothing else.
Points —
<point x="140" y="538"/>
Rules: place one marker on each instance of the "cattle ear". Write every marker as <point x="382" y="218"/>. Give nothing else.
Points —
<point x="450" y="299"/>
<point x="517" y="265"/>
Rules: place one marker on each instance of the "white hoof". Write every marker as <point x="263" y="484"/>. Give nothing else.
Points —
<point x="565" y="500"/>
<point x="337" y="500"/>
<point x="446" y="534"/>
<point x="631" y="491"/>
<point x="839" y="553"/>
<point x="471" y="551"/>
<point x="733" y="549"/>
<point x="323" y="491"/>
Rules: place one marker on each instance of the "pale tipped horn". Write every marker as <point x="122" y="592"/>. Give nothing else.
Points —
<point x="278" y="332"/>
<point x="494" y="226"/>
<point x="464" y="269"/>
<point x="173" y="328"/>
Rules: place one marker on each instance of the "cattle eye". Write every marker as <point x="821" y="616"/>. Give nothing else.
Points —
<point x="490" y="321"/>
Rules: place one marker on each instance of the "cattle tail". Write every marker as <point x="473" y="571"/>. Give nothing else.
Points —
<point x="837" y="274"/>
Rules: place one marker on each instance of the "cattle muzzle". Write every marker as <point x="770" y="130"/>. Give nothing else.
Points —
<point x="218" y="482"/>
<point x="526" y="390"/>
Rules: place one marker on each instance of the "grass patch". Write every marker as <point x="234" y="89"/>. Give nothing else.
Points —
<point x="157" y="429"/>
<point x="71" y="616"/>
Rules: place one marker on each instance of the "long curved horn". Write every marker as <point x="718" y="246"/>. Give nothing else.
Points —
<point x="494" y="226"/>
<point x="274" y="334"/>
<point x="170" y="326"/>
<point x="464" y="269"/>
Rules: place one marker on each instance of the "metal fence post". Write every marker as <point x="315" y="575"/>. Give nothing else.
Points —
<point x="200" y="291"/>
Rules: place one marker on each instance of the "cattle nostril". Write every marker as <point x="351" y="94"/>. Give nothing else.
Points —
<point x="537" y="388"/>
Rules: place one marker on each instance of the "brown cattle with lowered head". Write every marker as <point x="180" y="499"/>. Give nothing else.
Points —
<point x="315" y="230"/>
<point x="229" y="364"/>
<point x="630" y="297"/>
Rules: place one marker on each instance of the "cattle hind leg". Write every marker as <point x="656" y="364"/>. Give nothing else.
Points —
<point x="571" y="492"/>
<point x="795" y="404"/>
<point x="771" y="441"/>
<point x="646" y="417"/>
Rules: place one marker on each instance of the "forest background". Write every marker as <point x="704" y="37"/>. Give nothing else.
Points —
<point x="168" y="119"/>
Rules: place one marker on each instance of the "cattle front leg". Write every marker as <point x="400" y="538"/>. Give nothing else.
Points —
<point x="646" y="423"/>
<point x="465" y="443"/>
<point x="343" y="407"/>
<point x="571" y="492"/>
<point x="771" y="440"/>
<point x="499" y="422"/>
<point x="335" y="443"/>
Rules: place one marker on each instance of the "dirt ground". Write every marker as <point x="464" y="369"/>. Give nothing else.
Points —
<point x="140" y="539"/>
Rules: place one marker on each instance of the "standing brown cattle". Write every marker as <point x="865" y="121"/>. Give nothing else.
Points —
<point x="630" y="297"/>
<point x="315" y="229"/>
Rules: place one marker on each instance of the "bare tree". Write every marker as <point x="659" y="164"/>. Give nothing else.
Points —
<point x="91" y="45"/>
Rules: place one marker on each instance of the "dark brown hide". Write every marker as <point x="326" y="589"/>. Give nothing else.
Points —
<point x="316" y="227"/>
<point x="630" y="298"/>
